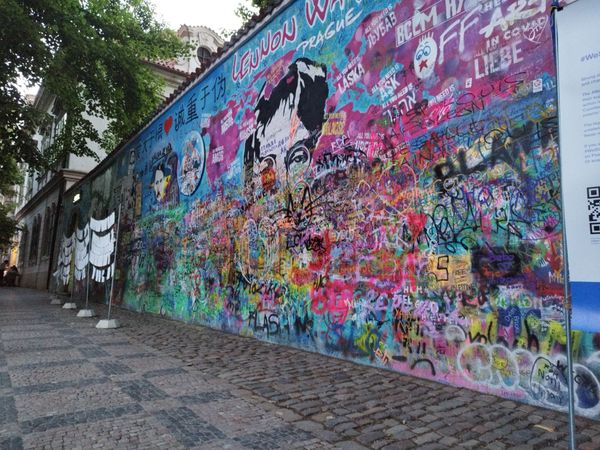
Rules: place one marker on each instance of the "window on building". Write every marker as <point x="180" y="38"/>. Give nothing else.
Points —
<point x="204" y="56"/>
<point x="50" y="240"/>
<point x="45" y="232"/>
<point x="59" y="124"/>
<point x="74" y="222"/>
<point x="60" y="118"/>
<point x="35" y="240"/>
<point x="23" y="245"/>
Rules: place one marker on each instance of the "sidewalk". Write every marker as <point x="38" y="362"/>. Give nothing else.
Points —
<point x="156" y="383"/>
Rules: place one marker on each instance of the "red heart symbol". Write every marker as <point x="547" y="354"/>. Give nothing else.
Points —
<point x="168" y="123"/>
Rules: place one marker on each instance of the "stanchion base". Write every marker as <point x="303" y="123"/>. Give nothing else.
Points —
<point x="86" y="313"/>
<point x="70" y="305"/>
<point x="110" y="323"/>
<point x="55" y="301"/>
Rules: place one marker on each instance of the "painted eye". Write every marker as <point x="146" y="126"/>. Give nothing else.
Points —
<point x="427" y="50"/>
<point x="419" y="55"/>
<point x="298" y="156"/>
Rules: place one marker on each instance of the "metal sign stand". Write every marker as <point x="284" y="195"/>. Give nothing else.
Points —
<point x="87" y="312"/>
<point x="571" y="388"/>
<point x="568" y="304"/>
<point x="108" y="322"/>
<point x="71" y="304"/>
<point x="55" y="300"/>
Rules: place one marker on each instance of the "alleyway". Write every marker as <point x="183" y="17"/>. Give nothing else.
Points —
<point x="160" y="384"/>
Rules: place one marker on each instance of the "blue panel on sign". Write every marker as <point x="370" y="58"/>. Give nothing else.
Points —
<point x="586" y="299"/>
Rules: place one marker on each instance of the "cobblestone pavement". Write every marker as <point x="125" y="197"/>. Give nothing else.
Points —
<point x="156" y="383"/>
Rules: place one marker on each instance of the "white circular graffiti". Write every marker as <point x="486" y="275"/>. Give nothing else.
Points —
<point x="548" y="385"/>
<point x="493" y="365"/>
<point x="425" y="56"/>
<point x="192" y="163"/>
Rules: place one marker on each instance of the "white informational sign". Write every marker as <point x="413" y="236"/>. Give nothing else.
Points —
<point x="578" y="31"/>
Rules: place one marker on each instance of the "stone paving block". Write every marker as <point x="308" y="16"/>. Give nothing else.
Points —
<point x="5" y="380"/>
<point x="141" y="390"/>
<point x="92" y="352"/>
<point x="432" y="446"/>
<point x="326" y="435"/>
<point x="146" y="362"/>
<point x="58" y="385"/>
<point x="349" y="445"/>
<point x="11" y="443"/>
<point x="76" y="418"/>
<point x="49" y="373"/>
<point x="78" y="340"/>
<point x="135" y="431"/>
<point x="35" y="334"/>
<point x="8" y="411"/>
<point x="193" y="382"/>
<point x="35" y="348"/>
<point x="71" y="328"/>
<point x="164" y="372"/>
<point x="113" y="368"/>
<point x="237" y="417"/>
<point x="370" y="437"/>
<point x="350" y="433"/>
<point x="121" y="350"/>
<point x="138" y="355"/>
<point x="116" y="343"/>
<point x="205" y="397"/>
<point x="287" y="415"/>
<point x="69" y="400"/>
<point x="277" y="438"/>
<point x="46" y="365"/>
<point x="45" y="356"/>
<point x="472" y="443"/>
<point x="427" y="437"/>
<point x="449" y="441"/>
<point x="187" y="427"/>
<point x="496" y="445"/>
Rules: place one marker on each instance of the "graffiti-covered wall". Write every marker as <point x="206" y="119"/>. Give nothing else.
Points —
<point x="376" y="181"/>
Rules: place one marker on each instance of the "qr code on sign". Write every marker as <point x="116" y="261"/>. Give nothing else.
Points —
<point x="593" y="198"/>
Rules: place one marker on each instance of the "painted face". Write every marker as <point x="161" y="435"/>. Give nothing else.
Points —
<point x="132" y="159"/>
<point x="280" y="134"/>
<point x="160" y="184"/>
<point x="425" y="56"/>
<point x="192" y="166"/>
<point x="288" y="119"/>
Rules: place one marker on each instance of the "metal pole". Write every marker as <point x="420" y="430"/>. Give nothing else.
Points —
<point x="568" y="308"/>
<point x="87" y="276"/>
<point x="112" y="280"/>
<point x="568" y="304"/>
<point x="72" y="288"/>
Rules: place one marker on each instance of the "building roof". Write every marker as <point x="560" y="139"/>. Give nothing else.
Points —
<point x="187" y="28"/>
<point x="168" y="66"/>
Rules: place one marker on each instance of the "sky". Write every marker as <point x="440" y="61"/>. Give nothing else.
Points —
<point x="215" y="14"/>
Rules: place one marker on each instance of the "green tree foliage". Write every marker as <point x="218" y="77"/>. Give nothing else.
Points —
<point x="12" y="177"/>
<point x="90" y="54"/>
<point x="245" y="11"/>
<point x="8" y="226"/>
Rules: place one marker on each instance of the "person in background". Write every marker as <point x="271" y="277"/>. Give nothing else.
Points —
<point x="12" y="277"/>
<point x="3" y="268"/>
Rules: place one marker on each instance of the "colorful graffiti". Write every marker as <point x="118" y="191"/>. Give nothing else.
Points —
<point x="373" y="180"/>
